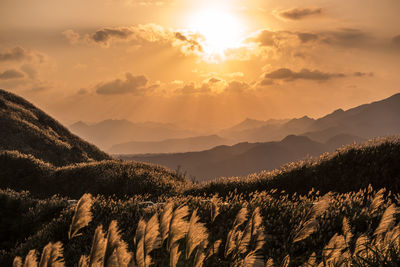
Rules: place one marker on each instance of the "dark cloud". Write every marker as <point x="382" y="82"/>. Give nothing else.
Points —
<point x="300" y="13"/>
<point x="304" y="74"/>
<point x="396" y="40"/>
<point x="345" y="37"/>
<point x="266" y="82"/>
<point x="104" y="35"/>
<point x="191" y="41"/>
<point x="193" y="89"/>
<point x="363" y="74"/>
<point x="11" y="74"/>
<point x="236" y="87"/>
<point x="15" y="54"/>
<point x="29" y="70"/>
<point x="306" y="37"/>
<point x="265" y="38"/>
<point x="132" y="84"/>
<point x="214" y="80"/>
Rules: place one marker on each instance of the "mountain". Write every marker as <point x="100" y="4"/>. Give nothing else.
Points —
<point x="110" y="132"/>
<point x="29" y="130"/>
<point x="170" y="145"/>
<point x="380" y="118"/>
<point x="243" y="158"/>
<point x="271" y="130"/>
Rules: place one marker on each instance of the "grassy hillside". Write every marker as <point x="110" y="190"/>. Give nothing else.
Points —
<point x="351" y="224"/>
<point x="109" y="177"/>
<point x="29" y="130"/>
<point x="350" y="168"/>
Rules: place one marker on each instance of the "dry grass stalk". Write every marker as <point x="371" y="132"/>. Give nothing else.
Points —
<point x="146" y="239"/>
<point x="387" y="220"/>
<point x="31" y="259"/>
<point x="196" y="235"/>
<point x="97" y="250"/>
<point x="17" y="262"/>
<point x="82" y="216"/>
<point x="178" y="226"/>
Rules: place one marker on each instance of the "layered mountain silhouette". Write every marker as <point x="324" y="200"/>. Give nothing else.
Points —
<point x="381" y="118"/>
<point x="170" y="145"/>
<point x="244" y="158"/>
<point x="107" y="133"/>
<point x="29" y="130"/>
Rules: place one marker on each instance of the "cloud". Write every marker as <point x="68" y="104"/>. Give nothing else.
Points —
<point x="363" y="74"/>
<point x="72" y="36"/>
<point x="306" y="37"/>
<point x="304" y="74"/>
<point x="11" y="74"/>
<point x="236" y="87"/>
<point x="130" y="85"/>
<point x="345" y="37"/>
<point x="20" y="54"/>
<point x="104" y="35"/>
<point x="29" y="70"/>
<point x="300" y="13"/>
<point x="396" y="40"/>
<point x="193" y="44"/>
<point x="193" y="89"/>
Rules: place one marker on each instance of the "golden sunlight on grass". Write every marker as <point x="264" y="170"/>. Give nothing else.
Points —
<point x="220" y="28"/>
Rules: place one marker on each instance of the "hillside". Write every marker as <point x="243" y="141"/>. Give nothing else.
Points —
<point x="107" y="133"/>
<point x="243" y="158"/>
<point x="170" y="145"/>
<point x="29" y="130"/>
<point x="350" y="168"/>
<point x="108" y="177"/>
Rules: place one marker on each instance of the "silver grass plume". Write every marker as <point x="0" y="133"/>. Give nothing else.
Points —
<point x="312" y="261"/>
<point x="233" y="233"/>
<point x="392" y="238"/>
<point x="116" y="253"/>
<point x="252" y="260"/>
<point x="45" y="255"/>
<point x="253" y="233"/>
<point x="377" y="201"/>
<point x="214" y="209"/>
<point x="387" y="220"/>
<point x="165" y="220"/>
<point x="56" y="255"/>
<point x="348" y="235"/>
<point x="196" y="235"/>
<point x="82" y="216"/>
<point x="199" y="259"/>
<point x="31" y="259"/>
<point x="83" y="261"/>
<point x="361" y="248"/>
<point x="98" y="248"/>
<point x="174" y="255"/>
<point x="270" y="263"/>
<point x="310" y="226"/>
<point x="147" y="239"/>
<point x="17" y="262"/>
<point x="178" y="226"/>
<point x="286" y="261"/>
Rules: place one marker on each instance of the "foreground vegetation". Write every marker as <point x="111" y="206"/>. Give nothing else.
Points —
<point x="358" y="229"/>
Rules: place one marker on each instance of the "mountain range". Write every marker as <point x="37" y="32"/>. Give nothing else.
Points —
<point x="107" y="133"/>
<point x="243" y="158"/>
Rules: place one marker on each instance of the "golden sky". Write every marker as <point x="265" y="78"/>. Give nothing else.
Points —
<point x="199" y="64"/>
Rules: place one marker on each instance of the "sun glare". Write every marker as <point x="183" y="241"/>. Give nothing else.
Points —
<point x="221" y="30"/>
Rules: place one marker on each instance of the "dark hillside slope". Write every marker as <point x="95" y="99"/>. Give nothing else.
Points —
<point x="109" y="177"/>
<point x="29" y="130"/>
<point x="349" y="169"/>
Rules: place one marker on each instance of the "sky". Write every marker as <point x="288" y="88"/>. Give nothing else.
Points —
<point x="198" y="64"/>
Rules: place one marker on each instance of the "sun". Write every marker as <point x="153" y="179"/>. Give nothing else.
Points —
<point x="220" y="28"/>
